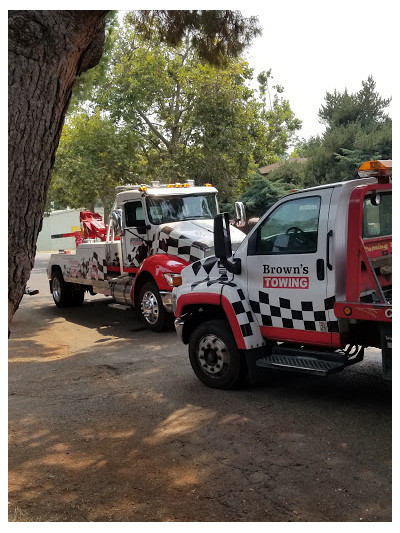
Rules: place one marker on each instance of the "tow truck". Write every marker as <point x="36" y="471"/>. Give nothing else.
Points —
<point x="155" y="230"/>
<point x="307" y="290"/>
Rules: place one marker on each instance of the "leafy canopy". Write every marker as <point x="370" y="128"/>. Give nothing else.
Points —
<point x="186" y="118"/>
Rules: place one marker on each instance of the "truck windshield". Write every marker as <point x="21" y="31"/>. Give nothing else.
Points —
<point x="377" y="219"/>
<point x="175" y="208"/>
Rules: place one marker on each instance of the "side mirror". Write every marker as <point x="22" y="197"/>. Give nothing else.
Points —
<point x="222" y="236"/>
<point x="240" y="215"/>
<point x="375" y="198"/>
<point x="116" y="219"/>
<point x="223" y="244"/>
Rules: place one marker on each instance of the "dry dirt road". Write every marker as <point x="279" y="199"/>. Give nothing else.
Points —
<point x="107" y="422"/>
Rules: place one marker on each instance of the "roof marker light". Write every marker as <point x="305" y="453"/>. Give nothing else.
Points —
<point x="381" y="168"/>
<point x="208" y="185"/>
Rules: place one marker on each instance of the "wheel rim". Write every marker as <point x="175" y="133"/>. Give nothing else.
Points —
<point x="56" y="289"/>
<point x="213" y="356"/>
<point x="150" y="308"/>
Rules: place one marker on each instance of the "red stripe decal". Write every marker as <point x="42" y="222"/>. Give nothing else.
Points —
<point x="196" y="298"/>
<point x="205" y="298"/>
<point x="113" y="268"/>
<point x="231" y="316"/>
<point x="301" y="336"/>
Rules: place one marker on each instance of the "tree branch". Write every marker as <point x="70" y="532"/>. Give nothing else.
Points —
<point x="154" y="129"/>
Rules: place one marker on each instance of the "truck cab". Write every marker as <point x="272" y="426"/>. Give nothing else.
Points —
<point x="307" y="290"/>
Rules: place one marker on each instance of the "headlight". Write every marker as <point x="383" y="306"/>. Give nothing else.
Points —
<point x="173" y="280"/>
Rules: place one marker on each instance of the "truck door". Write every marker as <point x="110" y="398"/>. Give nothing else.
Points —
<point x="287" y="270"/>
<point x="134" y="246"/>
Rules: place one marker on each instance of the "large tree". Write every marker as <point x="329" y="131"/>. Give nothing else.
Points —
<point x="193" y="120"/>
<point x="47" y="51"/>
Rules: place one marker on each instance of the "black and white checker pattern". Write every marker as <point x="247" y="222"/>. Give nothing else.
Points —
<point x="101" y="267"/>
<point x="173" y="241"/>
<point x="250" y="329"/>
<point x="137" y="255"/>
<point x="210" y="276"/>
<point x="272" y="310"/>
<point x="207" y="273"/>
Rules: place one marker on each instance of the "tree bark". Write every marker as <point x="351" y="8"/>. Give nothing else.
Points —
<point x="47" y="51"/>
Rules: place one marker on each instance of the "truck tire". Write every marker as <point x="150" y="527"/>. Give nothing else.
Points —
<point x="77" y="297"/>
<point x="152" y="310"/>
<point x="61" y="291"/>
<point x="64" y="295"/>
<point x="214" y="356"/>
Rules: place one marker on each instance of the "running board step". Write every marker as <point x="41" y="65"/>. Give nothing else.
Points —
<point x="317" y="363"/>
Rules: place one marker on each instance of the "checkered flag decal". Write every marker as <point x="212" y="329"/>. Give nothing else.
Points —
<point x="209" y="273"/>
<point x="101" y="267"/>
<point x="284" y="313"/>
<point x="172" y="241"/>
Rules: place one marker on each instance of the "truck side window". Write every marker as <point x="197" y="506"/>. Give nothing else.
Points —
<point x="292" y="228"/>
<point x="134" y="214"/>
<point x="377" y="219"/>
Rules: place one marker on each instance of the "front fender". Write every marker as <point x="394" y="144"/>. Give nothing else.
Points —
<point x="159" y="264"/>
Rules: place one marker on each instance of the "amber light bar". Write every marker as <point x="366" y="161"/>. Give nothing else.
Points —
<point x="376" y="169"/>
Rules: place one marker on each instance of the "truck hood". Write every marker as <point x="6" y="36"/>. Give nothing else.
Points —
<point x="190" y="239"/>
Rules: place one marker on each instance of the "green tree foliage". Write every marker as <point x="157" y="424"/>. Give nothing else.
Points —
<point x="189" y="119"/>
<point x="278" y="119"/>
<point x="215" y="35"/>
<point x="357" y="129"/>
<point x="365" y="107"/>
<point x="264" y="191"/>
<point x="261" y="194"/>
<point x="94" y="156"/>
<point x="95" y="77"/>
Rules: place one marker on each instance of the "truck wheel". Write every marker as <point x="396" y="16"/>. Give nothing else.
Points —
<point x="214" y="356"/>
<point x="77" y="297"/>
<point x="62" y="292"/>
<point x="152" y="310"/>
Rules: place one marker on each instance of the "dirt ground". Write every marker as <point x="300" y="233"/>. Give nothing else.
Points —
<point x="107" y="422"/>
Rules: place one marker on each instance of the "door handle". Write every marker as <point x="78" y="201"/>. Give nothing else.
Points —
<point x="320" y="269"/>
<point x="328" y="238"/>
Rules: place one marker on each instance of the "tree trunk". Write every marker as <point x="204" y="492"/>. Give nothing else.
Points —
<point x="47" y="51"/>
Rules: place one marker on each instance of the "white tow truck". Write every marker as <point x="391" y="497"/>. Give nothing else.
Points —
<point x="154" y="232"/>
<point x="307" y="290"/>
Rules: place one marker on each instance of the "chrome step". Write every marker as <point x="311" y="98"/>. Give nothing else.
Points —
<point x="315" y="363"/>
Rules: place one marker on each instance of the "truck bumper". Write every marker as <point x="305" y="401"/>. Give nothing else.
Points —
<point x="166" y="298"/>
<point x="179" y="323"/>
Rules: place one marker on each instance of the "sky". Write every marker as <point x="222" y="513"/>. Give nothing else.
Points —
<point x="315" y="47"/>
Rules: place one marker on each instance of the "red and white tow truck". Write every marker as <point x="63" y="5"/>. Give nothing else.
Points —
<point x="307" y="290"/>
<point x="154" y="232"/>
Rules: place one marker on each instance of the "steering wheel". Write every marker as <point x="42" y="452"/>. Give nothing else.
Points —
<point x="295" y="229"/>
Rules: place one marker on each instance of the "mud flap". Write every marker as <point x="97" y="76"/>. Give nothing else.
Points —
<point x="386" y="345"/>
<point x="255" y="373"/>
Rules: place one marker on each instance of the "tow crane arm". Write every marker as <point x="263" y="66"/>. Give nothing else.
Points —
<point x="92" y="227"/>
